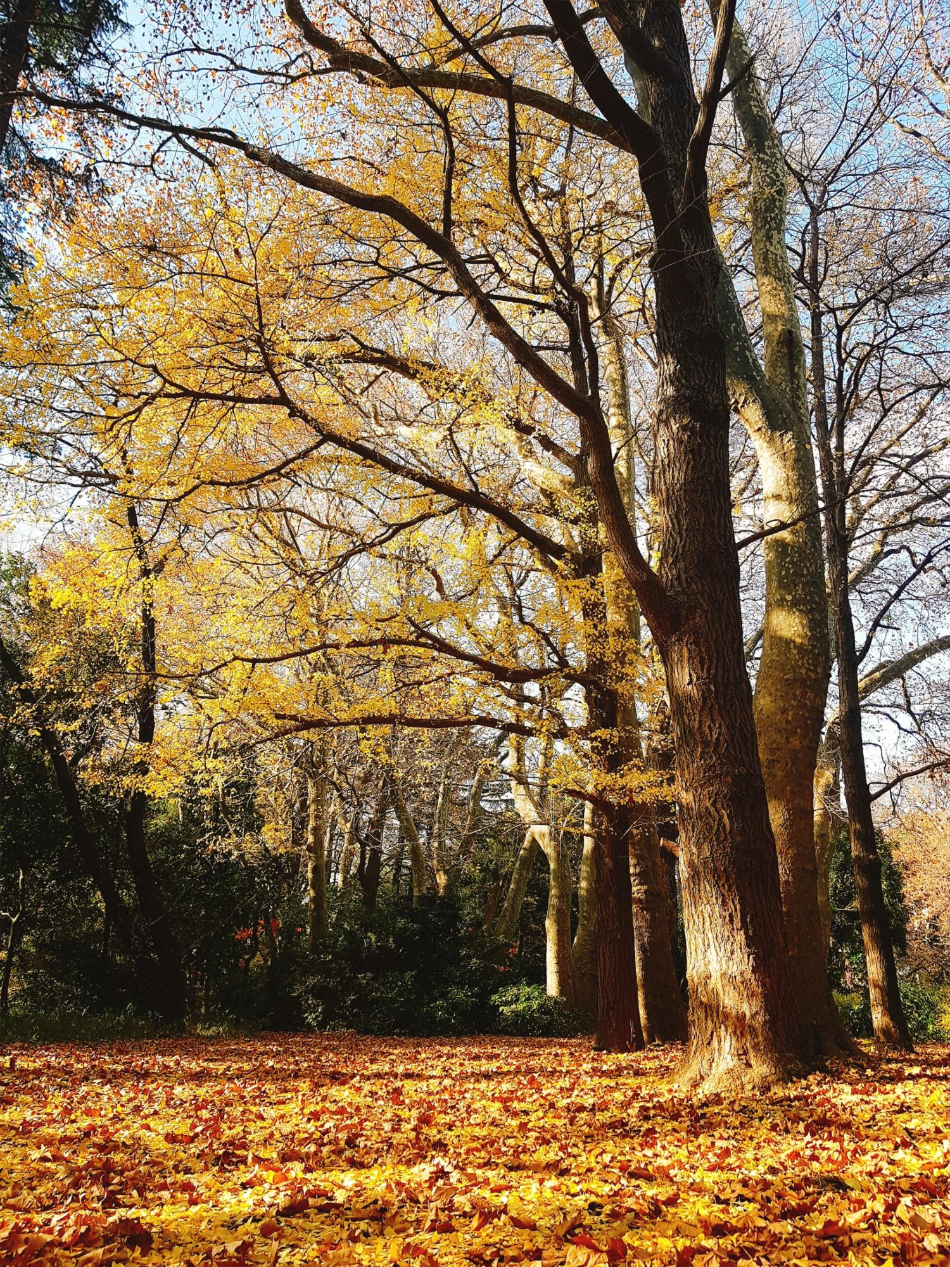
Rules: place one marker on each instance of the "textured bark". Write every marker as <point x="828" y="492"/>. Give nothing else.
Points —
<point x="792" y="682"/>
<point x="585" y="938"/>
<point x="744" y="1028"/>
<point x="662" y="1013"/>
<point x="887" y="1013"/>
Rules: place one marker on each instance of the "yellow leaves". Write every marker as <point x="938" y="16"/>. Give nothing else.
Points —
<point x="311" y="1150"/>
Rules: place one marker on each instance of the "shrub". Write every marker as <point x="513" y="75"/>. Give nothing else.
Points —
<point x="926" y="1007"/>
<point x="526" y="1011"/>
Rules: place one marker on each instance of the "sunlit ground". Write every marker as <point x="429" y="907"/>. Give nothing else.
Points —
<point x="336" y="1150"/>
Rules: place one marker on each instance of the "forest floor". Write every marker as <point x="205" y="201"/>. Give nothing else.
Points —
<point x="335" y="1150"/>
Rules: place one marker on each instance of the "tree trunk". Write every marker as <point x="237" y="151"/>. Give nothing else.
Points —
<point x="662" y="1013"/>
<point x="506" y="924"/>
<point x="887" y="1013"/>
<point x="318" y="921"/>
<point x="557" y="921"/>
<point x="410" y="832"/>
<point x="828" y="822"/>
<point x="585" y="939"/>
<point x="439" y="835"/>
<point x="792" y="682"/>
<point x="370" y="866"/>
<point x="169" y="994"/>
<point x="618" y="1013"/>
<point x="14" y="937"/>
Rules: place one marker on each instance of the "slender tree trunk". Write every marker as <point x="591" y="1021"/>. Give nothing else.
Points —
<point x="14" y="56"/>
<point x="557" y="920"/>
<point x="318" y="921"/>
<point x="828" y="822"/>
<point x="439" y="836"/>
<point x="14" y="937"/>
<point x="662" y="1013"/>
<point x="506" y="925"/>
<point x="370" y="866"/>
<point x="170" y="987"/>
<point x="887" y="1013"/>
<point x="585" y="939"/>
<point x="410" y="832"/>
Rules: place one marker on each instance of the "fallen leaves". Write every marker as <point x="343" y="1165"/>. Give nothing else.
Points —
<point x="334" y="1151"/>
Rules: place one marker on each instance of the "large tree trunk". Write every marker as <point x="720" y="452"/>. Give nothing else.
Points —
<point x="887" y="1013"/>
<point x="744" y="1027"/>
<point x="792" y="682"/>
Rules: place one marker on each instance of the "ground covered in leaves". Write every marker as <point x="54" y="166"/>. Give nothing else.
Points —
<point x="338" y="1150"/>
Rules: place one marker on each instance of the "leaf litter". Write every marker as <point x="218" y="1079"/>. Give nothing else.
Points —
<point x="337" y="1150"/>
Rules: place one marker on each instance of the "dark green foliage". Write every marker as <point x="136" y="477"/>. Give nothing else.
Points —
<point x="401" y="970"/>
<point x="846" y="958"/>
<point x="925" y="1006"/>
<point x="526" y="1011"/>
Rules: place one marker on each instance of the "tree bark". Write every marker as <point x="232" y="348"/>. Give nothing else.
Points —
<point x="370" y="866"/>
<point x="169" y="994"/>
<point x="887" y="1013"/>
<point x="557" y="921"/>
<point x="439" y="836"/>
<point x="14" y="937"/>
<point x="828" y="821"/>
<point x="410" y="832"/>
<point x="792" y="682"/>
<point x="506" y="924"/>
<point x="318" y="920"/>
<point x="662" y="1013"/>
<point x="585" y="938"/>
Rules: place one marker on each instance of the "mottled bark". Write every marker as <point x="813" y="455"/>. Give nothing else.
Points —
<point x="559" y="961"/>
<point x="531" y="807"/>
<point x="795" y="661"/>
<point x="828" y="821"/>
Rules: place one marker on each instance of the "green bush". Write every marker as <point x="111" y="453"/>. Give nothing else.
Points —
<point x="399" y="969"/>
<point x="526" y="1011"/>
<point x="926" y="1007"/>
